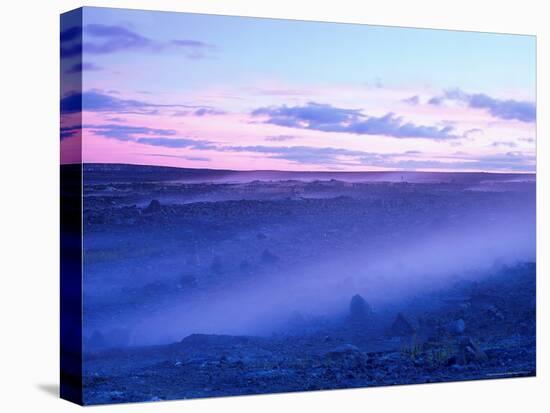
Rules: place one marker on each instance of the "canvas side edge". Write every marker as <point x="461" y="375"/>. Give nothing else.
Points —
<point x="71" y="206"/>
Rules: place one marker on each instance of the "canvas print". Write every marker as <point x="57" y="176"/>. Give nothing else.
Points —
<point x="254" y="205"/>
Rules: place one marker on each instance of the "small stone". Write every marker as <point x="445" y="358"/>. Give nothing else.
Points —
<point x="348" y="357"/>
<point x="471" y="352"/>
<point x="344" y="349"/>
<point x="457" y="326"/>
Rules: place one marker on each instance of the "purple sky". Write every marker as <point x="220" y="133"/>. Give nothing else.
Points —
<point x="227" y="92"/>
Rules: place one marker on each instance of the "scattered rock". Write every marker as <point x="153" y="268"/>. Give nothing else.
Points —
<point x="457" y="368"/>
<point x="347" y="356"/>
<point x="494" y="312"/>
<point x="116" y="395"/>
<point x="343" y="349"/>
<point x="215" y="340"/>
<point x="471" y="352"/>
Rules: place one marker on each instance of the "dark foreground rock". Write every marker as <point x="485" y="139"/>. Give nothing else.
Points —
<point x="207" y="365"/>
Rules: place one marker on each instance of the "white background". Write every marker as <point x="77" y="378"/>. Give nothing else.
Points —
<point x="29" y="205"/>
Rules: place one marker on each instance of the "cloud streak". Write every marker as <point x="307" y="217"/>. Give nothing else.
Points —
<point x="107" y="39"/>
<point x="509" y="144"/>
<point x="280" y="138"/>
<point x="187" y="158"/>
<point x="329" y="157"/>
<point x="203" y="111"/>
<point x="300" y="154"/>
<point x="507" y="109"/>
<point x="144" y="135"/>
<point x="177" y="143"/>
<point x="66" y="132"/>
<point x="327" y="118"/>
<point x="71" y="42"/>
<point x="409" y="160"/>
<point x="125" y="132"/>
<point x="413" y="100"/>
<point x="95" y="101"/>
<point x="102" y="39"/>
<point x="83" y="67"/>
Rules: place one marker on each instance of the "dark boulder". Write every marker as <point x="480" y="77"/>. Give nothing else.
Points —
<point x="401" y="327"/>
<point x="153" y="207"/>
<point x="359" y="309"/>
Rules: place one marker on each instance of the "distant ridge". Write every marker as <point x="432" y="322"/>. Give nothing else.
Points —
<point x="107" y="172"/>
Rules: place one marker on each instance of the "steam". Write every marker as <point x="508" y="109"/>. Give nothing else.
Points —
<point x="409" y="256"/>
<point x="384" y="275"/>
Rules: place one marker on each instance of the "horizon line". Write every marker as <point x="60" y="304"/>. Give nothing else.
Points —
<point x="308" y="172"/>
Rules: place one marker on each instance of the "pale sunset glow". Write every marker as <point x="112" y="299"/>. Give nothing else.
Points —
<point x="200" y="91"/>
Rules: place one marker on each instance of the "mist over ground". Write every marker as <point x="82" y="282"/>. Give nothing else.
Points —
<point x="203" y="283"/>
<point x="167" y="259"/>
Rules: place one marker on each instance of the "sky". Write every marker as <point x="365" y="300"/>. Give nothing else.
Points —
<point x="221" y="92"/>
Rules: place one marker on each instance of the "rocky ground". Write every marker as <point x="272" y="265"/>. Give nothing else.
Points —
<point x="162" y="255"/>
<point x="472" y="330"/>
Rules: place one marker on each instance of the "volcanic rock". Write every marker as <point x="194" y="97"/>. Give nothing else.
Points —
<point x="401" y="327"/>
<point x="359" y="309"/>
